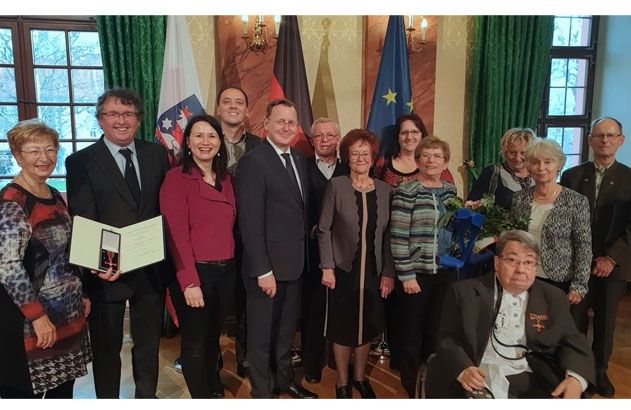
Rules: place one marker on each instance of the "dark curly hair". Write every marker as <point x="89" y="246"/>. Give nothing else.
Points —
<point x="396" y="147"/>
<point x="359" y="134"/>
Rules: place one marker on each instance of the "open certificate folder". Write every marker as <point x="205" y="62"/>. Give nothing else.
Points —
<point x="99" y="246"/>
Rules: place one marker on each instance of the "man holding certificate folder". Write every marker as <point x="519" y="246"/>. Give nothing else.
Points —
<point x="116" y="181"/>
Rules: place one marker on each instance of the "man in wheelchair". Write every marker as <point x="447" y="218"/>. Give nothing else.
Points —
<point x="507" y="335"/>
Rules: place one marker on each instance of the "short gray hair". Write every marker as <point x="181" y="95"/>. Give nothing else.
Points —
<point x="324" y="120"/>
<point x="526" y="239"/>
<point x="543" y="147"/>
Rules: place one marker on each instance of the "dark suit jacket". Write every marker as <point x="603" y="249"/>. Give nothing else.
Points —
<point x="317" y="184"/>
<point x="272" y="213"/>
<point x="610" y="215"/>
<point x="466" y="322"/>
<point x="97" y="190"/>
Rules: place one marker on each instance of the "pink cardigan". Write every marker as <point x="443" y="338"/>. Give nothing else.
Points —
<point x="199" y="221"/>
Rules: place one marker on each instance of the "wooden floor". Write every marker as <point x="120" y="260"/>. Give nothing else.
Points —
<point x="385" y="382"/>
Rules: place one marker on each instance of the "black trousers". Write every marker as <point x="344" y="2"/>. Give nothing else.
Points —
<point x="272" y="324"/>
<point x="419" y="322"/>
<point x="240" y="299"/>
<point x="106" y="337"/>
<point x="312" y="323"/>
<point x="201" y="328"/>
<point x="603" y="298"/>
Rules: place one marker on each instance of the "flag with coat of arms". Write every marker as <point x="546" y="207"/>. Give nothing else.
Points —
<point x="393" y="91"/>
<point x="180" y="93"/>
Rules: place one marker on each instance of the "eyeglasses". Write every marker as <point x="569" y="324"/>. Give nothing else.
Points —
<point x="283" y="123"/>
<point x="602" y="136"/>
<point x="116" y="115"/>
<point x="357" y="155"/>
<point x="514" y="262"/>
<point x="36" y="152"/>
<point x="320" y="137"/>
<point x="427" y="157"/>
<point x="411" y="133"/>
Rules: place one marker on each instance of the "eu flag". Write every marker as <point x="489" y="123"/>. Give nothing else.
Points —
<point x="393" y="92"/>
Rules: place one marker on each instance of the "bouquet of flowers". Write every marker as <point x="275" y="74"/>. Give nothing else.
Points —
<point x="497" y="219"/>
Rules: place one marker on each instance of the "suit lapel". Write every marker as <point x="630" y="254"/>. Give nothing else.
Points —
<point x="145" y="163"/>
<point x="301" y="165"/>
<point x="276" y="163"/>
<point x="536" y="320"/>
<point x="608" y="185"/>
<point x="485" y="292"/>
<point x="104" y="159"/>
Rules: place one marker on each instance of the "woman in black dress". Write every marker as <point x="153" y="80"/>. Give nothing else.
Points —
<point x="355" y="260"/>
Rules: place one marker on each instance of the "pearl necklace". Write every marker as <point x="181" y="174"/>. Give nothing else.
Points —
<point x="367" y="185"/>
<point x="36" y="192"/>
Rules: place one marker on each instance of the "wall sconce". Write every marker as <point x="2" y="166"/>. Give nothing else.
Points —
<point x="258" y="41"/>
<point x="416" y="45"/>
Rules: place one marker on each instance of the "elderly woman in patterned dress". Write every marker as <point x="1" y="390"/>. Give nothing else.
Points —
<point x="44" y="345"/>
<point x="559" y="220"/>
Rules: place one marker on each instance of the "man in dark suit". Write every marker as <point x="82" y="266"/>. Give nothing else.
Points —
<point x="488" y="323"/>
<point x="321" y="167"/>
<point x="116" y="181"/>
<point x="272" y="191"/>
<point x="607" y="185"/>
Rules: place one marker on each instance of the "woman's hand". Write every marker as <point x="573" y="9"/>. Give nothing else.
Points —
<point x="194" y="297"/>
<point x="45" y="331"/>
<point x="386" y="286"/>
<point x="328" y="278"/>
<point x="574" y="297"/>
<point x="108" y="275"/>
<point x="86" y="307"/>
<point x="411" y="286"/>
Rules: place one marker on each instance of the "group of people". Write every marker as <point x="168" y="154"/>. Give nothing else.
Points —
<point x="344" y="243"/>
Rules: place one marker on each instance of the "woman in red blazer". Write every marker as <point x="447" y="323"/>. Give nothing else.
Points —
<point x="198" y="203"/>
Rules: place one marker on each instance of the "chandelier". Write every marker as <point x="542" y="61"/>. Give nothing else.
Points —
<point x="257" y="39"/>
<point x="416" y="45"/>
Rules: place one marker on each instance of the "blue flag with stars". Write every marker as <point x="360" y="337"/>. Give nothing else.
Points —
<point x="393" y="92"/>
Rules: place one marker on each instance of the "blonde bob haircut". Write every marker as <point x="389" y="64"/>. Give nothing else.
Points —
<point x="515" y="135"/>
<point x="541" y="148"/>
<point x="30" y="131"/>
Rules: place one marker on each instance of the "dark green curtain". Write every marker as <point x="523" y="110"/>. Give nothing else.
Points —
<point x="511" y="58"/>
<point x="133" y="52"/>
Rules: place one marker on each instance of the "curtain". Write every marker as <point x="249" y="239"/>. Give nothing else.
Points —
<point x="511" y="59"/>
<point x="132" y="48"/>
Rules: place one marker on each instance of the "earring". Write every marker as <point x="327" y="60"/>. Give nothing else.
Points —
<point x="189" y="152"/>
<point x="219" y="154"/>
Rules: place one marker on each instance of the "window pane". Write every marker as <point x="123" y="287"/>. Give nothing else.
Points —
<point x="85" y="49"/>
<point x="6" y="46"/>
<point x="576" y="72"/>
<point x="8" y="118"/>
<point x="82" y="145"/>
<point x="572" y="161"/>
<point x="572" y="140"/>
<point x="556" y="134"/>
<point x="57" y="183"/>
<point x="65" y="149"/>
<point x="8" y="166"/>
<point x="575" y="101"/>
<point x="557" y="101"/>
<point x="561" y="36"/>
<point x="558" y="72"/>
<point x="580" y="32"/>
<point x="58" y="118"/>
<point x="51" y="85"/>
<point x="49" y="47"/>
<point x="4" y="182"/>
<point x="87" y="85"/>
<point x="7" y="89"/>
<point x="86" y="125"/>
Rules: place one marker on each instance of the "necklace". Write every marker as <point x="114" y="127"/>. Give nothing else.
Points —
<point x="546" y="197"/>
<point x="366" y="185"/>
<point x="32" y="188"/>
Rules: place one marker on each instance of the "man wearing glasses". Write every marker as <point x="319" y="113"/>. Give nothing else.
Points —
<point x="272" y="195"/>
<point x="321" y="167"/>
<point x="606" y="183"/>
<point x="116" y="181"/>
<point x="488" y="324"/>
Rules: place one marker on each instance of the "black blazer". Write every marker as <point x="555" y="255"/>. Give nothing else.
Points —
<point x="610" y="215"/>
<point x="466" y="321"/>
<point x="272" y="213"/>
<point x="97" y="190"/>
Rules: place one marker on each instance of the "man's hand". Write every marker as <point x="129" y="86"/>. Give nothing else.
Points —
<point x="328" y="278"/>
<point x="603" y="266"/>
<point x="45" y="332"/>
<point x="574" y="297"/>
<point x="194" y="297"/>
<point x="411" y="286"/>
<point x="386" y="286"/>
<point x="108" y="275"/>
<point x="268" y="285"/>
<point x="570" y="388"/>
<point x="472" y="378"/>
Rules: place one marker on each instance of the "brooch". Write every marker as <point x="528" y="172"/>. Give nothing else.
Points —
<point x="538" y="321"/>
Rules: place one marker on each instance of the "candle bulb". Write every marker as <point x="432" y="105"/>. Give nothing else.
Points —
<point x="260" y="19"/>
<point x="276" y="25"/>
<point x="410" y="20"/>
<point x="424" y="29"/>
<point x="244" y="20"/>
